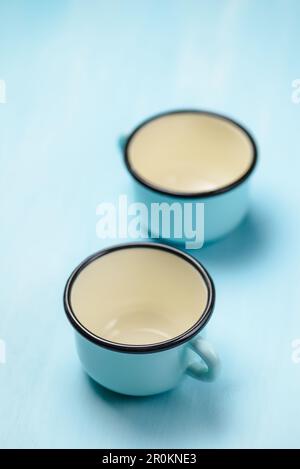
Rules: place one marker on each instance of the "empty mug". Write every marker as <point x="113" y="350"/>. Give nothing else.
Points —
<point x="192" y="157"/>
<point x="137" y="310"/>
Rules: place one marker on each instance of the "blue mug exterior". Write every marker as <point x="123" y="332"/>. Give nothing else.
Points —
<point x="144" y="374"/>
<point x="148" y="369"/>
<point x="224" y="208"/>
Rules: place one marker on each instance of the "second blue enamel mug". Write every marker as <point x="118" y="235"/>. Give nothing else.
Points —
<point x="191" y="157"/>
<point x="137" y="310"/>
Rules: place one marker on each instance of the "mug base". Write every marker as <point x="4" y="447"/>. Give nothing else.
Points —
<point x="124" y="392"/>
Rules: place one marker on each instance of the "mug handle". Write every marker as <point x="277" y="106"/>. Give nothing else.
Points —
<point x="122" y="140"/>
<point x="208" y="368"/>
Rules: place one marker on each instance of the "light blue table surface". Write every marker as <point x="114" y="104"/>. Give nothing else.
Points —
<point x="78" y="74"/>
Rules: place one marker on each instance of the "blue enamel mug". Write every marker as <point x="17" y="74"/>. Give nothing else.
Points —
<point x="137" y="310"/>
<point x="194" y="160"/>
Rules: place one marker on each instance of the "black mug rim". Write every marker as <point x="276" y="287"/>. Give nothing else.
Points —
<point x="145" y="348"/>
<point x="188" y="195"/>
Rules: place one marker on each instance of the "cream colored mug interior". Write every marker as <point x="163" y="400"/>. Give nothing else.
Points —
<point x="138" y="296"/>
<point x="190" y="152"/>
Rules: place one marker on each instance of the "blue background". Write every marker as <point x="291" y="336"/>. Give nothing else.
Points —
<point x="79" y="74"/>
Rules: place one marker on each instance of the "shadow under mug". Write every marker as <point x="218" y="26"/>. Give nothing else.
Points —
<point x="137" y="310"/>
<point x="192" y="157"/>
